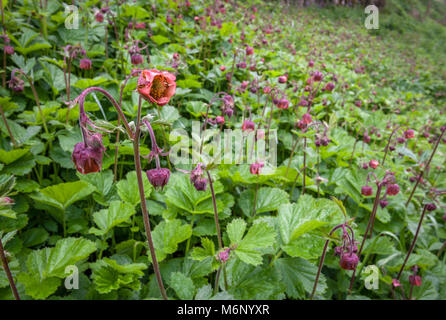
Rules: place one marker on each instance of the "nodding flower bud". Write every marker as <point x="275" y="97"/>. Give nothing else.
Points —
<point x="228" y="101"/>
<point x="244" y="85"/>
<point x="9" y="50"/>
<point x="16" y="84"/>
<point x="349" y="261"/>
<point x="317" y="76"/>
<point x="136" y="59"/>
<point x="383" y="203"/>
<point x="283" y="104"/>
<point x="409" y="134"/>
<point x="374" y="164"/>
<point x="248" y="125"/>
<point x="283" y="79"/>
<point x="222" y="68"/>
<point x="330" y="86"/>
<point x="366" y="139"/>
<point x="228" y="112"/>
<point x="197" y="179"/>
<point x="431" y="207"/>
<point x="415" y="280"/>
<point x="396" y="283"/>
<point x="249" y="50"/>
<point x="85" y="64"/>
<point x="255" y="167"/>
<point x="325" y="141"/>
<point x="200" y="184"/>
<point x="365" y="165"/>
<point x="158" y="177"/>
<point x="88" y="158"/>
<point x="99" y="17"/>
<point x="358" y="103"/>
<point x="220" y="119"/>
<point x="311" y="63"/>
<point x="306" y="118"/>
<point x="366" y="190"/>
<point x="266" y="90"/>
<point x="393" y="189"/>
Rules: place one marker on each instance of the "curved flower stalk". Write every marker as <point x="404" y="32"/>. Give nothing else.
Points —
<point x="155" y="86"/>
<point x="70" y="53"/>
<point x="347" y="252"/>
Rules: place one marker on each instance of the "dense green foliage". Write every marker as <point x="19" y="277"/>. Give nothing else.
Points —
<point x="275" y="223"/>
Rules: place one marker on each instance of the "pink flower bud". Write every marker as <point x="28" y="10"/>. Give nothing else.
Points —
<point x="393" y="189"/>
<point x="374" y="164"/>
<point x="85" y="64"/>
<point x="9" y="50"/>
<point x="366" y="190"/>
<point x="158" y="177"/>
<point x="248" y="125"/>
<point x="283" y="79"/>
<point x="408" y="134"/>
<point x="349" y="261"/>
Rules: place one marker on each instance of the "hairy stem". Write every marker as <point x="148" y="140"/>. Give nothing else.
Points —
<point x="145" y="213"/>
<point x="8" y="272"/>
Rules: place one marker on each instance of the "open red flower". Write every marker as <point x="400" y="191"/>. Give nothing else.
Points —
<point x="156" y="86"/>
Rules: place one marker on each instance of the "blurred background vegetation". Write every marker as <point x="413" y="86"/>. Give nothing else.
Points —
<point x="418" y="26"/>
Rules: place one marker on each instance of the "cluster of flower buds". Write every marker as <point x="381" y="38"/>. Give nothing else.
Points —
<point x="322" y="139"/>
<point x="88" y="154"/>
<point x="347" y="251"/>
<point x="392" y="189"/>
<point x="105" y="10"/>
<point x="197" y="177"/>
<point x="72" y="52"/>
<point x="16" y="83"/>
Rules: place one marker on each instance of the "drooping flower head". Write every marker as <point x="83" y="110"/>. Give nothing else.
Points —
<point x="156" y="86"/>
<point x="348" y="261"/>
<point x="248" y="125"/>
<point x="87" y="156"/>
<point x="158" y="177"/>
<point x="85" y="64"/>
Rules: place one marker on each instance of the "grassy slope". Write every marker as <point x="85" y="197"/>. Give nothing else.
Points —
<point x="404" y="24"/>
